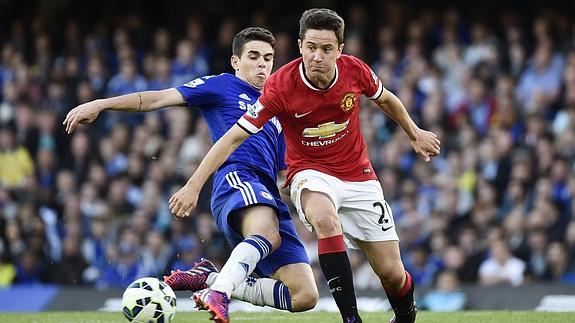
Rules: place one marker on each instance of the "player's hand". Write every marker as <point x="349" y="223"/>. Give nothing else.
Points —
<point x="82" y="114"/>
<point x="426" y="144"/>
<point x="184" y="201"/>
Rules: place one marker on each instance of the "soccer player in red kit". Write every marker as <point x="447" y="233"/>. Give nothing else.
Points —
<point x="332" y="182"/>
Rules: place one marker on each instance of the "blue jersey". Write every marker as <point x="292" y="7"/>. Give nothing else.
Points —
<point x="248" y="177"/>
<point x="222" y="100"/>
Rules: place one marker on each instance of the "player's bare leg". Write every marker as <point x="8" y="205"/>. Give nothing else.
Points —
<point x="301" y="283"/>
<point x="384" y="258"/>
<point x="320" y="212"/>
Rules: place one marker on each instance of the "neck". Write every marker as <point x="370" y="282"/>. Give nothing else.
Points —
<point x="320" y="81"/>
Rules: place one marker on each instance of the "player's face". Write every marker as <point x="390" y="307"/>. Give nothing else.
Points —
<point x="320" y="51"/>
<point x="255" y="64"/>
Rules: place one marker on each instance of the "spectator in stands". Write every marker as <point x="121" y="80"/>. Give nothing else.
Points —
<point x="468" y="241"/>
<point x="34" y="129"/>
<point x="30" y="269"/>
<point x="477" y="108"/>
<point x="537" y="265"/>
<point x="515" y="199"/>
<point x="446" y="296"/>
<point x="124" y="264"/>
<point x="46" y="168"/>
<point x="516" y="235"/>
<point x="570" y="243"/>
<point x="95" y="246"/>
<point x="187" y="251"/>
<point x="16" y="165"/>
<point x="9" y="97"/>
<point x="7" y="270"/>
<point x="558" y="268"/>
<point x="453" y="261"/>
<point x="156" y="255"/>
<point x="482" y="47"/>
<point x="162" y="43"/>
<point x="79" y="156"/>
<point x="56" y="99"/>
<point x="187" y="65"/>
<point x="539" y="84"/>
<point x="70" y="270"/>
<point x="97" y="75"/>
<point x="501" y="267"/>
<point x="422" y="266"/>
<point x="162" y="77"/>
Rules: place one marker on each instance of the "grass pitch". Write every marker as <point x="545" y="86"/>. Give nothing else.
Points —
<point x="312" y="317"/>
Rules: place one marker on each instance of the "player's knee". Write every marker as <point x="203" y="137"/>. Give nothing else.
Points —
<point x="326" y="225"/>
<point x="304" y="299"/>
<point x="273" y="237"/>
<point x="392" y="275"/>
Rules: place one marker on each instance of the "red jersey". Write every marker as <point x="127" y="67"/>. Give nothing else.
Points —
<point x="321" y="127"/>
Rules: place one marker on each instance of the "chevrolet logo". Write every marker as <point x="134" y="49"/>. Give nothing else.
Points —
<point x="325" y="130"/>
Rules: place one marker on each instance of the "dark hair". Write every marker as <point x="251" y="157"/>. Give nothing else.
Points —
<point x="321" y="19"/>
<point x="249" y="34"/>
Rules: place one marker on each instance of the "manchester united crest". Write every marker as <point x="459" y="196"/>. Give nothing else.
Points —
<point x="348" y="101"/>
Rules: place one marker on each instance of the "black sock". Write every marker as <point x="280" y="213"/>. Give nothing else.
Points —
<point x="337" y="272"/>
<point x="402" y="300"/>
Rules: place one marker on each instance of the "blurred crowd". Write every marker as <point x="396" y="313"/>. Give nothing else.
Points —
<point x="90" y="208"/>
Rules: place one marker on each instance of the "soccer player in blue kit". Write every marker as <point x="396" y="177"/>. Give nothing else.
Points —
<point x="245" y="201"/>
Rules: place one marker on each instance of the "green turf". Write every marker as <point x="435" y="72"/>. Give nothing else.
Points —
<point x="315" y="317"/>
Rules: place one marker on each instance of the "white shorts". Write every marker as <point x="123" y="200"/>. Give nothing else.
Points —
<point x="362" y="209"/>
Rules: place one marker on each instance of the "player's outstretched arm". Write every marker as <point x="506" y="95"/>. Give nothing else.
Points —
<point x="133" y="102"/>
<point x="425" y="143"/>
<point x="185" y="200"/>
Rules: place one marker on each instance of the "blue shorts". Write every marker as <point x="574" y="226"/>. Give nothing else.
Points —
<point x="236" y="189"/>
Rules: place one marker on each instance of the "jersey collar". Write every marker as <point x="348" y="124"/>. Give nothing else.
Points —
<point x="308" y="83"/>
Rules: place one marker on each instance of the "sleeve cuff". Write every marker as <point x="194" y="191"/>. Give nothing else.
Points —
<point x="248" y="126"/>
<point x="378" y="92"/>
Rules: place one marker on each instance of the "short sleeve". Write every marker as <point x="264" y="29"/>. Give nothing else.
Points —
<point x="267" y="106"/>
<point x="370" y="84"/>
<point x="203" y="91"/>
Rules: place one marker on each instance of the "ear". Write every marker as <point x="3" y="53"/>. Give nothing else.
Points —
<point x="299" y="44"/>
<point x="235" y="62"/>
<point x="339" y="50"/>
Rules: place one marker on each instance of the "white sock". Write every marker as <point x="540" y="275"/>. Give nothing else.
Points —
<point x="260" y="291"/>
<point x="241" y="263"/>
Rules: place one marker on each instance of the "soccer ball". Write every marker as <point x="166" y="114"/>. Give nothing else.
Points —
<point x="148" y="300"/>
